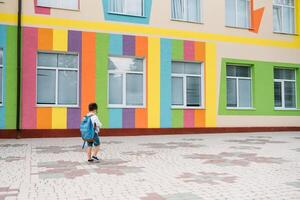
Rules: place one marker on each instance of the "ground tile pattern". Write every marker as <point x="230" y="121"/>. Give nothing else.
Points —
<point x="239" y="166"/>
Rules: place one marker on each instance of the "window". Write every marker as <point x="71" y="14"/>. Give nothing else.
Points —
<point x="1" y="76"/>
<point x="284" y="16"/>
<point x="186" y="10"/>
<point x="239" y="93"/>
<point x="187" y="84"/>
<point x="126" y="82"/>
<point x="57" y="79"/>
<point x="127" y="7"/>
<point x="285" y="88"/>
<point x="238" y="13"/>
<point x="64" y="4"/>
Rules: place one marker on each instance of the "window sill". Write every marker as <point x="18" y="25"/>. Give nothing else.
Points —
<point x="283" y="33"/>
<point x="56" y="106"/>
<point x="124" y="14"/>
<point x="233" y="108"/>
<point x="124" y="107"/>
<point x="182" y="20"/>
<point x="286" y="109"/>
<point x="186" y="108"/>
<point x="57" y="8"/>
<point x="237" y="27"/>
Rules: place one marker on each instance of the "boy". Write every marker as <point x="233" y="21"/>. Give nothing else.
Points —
<point x="93" y="147"/>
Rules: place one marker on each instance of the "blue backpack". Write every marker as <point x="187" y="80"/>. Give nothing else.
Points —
<point x="87" y="130"/>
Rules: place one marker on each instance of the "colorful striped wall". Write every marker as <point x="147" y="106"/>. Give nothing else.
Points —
<point x="9" y="46"/>
<point x="94" y="49"/>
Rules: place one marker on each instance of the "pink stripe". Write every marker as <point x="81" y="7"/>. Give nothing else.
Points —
<point x="189" y="50"/>
<point x="189" y="116"/>
<point x="41" y="10"/>
<point x="29" y="51"/>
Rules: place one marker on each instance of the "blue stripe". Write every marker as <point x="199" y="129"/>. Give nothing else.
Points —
<point x="115" y="118"/>
<point x="165" y="80"/>
<point x="3" y="30"/>
<point x="116" y="45"/>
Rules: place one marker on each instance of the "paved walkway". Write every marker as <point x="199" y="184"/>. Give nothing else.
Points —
<point x="256" y="166"/>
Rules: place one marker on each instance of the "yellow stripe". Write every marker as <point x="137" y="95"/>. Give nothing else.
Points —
<point x="211" y="86"/>
<point x="153" y="82"/>
<point x="146" y="30"/>
<point x="59" y="118"/>
<point x="60" y="40"/>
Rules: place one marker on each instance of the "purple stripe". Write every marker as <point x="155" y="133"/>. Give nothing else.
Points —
<point x="74" y="45"/>
<point x="128" y="45"/>
<point x="128" y="118"/>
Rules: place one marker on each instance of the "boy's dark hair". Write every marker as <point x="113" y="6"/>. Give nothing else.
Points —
<point x="93" y="106"/>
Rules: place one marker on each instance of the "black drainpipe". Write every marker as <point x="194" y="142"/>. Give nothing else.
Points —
<point x="19" y="68"/>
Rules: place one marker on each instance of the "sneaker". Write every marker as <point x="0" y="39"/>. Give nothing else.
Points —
<point x="95" y="158"/>
<point x="90" y="160"/>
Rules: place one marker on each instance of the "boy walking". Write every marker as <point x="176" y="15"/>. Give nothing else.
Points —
<point x="94" y="147"/>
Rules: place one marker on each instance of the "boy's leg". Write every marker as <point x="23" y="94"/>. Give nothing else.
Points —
<point x="89" y="152"/>
<point x="96" y="145"/>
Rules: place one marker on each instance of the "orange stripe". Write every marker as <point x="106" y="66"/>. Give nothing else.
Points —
<point x="45" y="39"/>
<point x="200" y="51"/>
<point x="44" y="118"/>
<point x="199" y="118"/>
<point x="141" y="49"/>
<point x="88" y="74"/>
<point x="140" y="118"/>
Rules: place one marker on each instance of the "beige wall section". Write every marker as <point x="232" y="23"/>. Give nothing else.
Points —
<point x="213" y="13"/>
<point x="257" y="121"/>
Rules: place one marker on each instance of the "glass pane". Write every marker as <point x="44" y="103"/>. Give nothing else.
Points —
<point x="134" y="7"/>
<point x="230" y="12"/>
<point x="288" y="74"/>
<point x="288" y="2"/>
<point x="1" y="79"/>
<point x="244" y="93"/>
<point x="289" y="94"/>
<point x="243" y="71"/>
<point x="277" y="19"/>
<point x="46" y="81"/>
<point x="115" y="89"/>
<point x="117" y="6"/>
<point x="126" y="64"/>
<point x="67" y="87"/>
<point x="192" y="68"/>
<point x="193" y="10"/>
<point x="177" y="67"/>
<point x="277" y="94"/>
<point x="288" y="20"/>
<point x="177" y="9"/>
<point x="193" y="91"/>
<point x="69" y="4"/>
<point x="67" y="61"/>
<point x="242" y="13"/>
<point x="47" y="59"/>
<point x="1" y="57"/>
<point x="230" y="70"/>
<point x="231" y="93"/>
<point x="47" y="3"/>
<point x="177" y="91"/>
<point x="134" y="89"/>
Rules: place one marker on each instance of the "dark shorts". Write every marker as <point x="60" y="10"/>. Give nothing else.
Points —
<point x="96" y="141"/>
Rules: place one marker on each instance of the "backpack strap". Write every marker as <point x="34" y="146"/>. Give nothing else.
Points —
<point x="83" y="144"/>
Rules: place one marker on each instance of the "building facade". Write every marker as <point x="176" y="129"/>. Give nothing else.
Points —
<point x="151" y="64"/>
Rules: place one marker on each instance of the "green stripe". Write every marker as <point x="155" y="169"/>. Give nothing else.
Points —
<point x="177" y="50"/>
<point x="102" y="49"/>
<point x="11" y="78"/>
<point x="177" y="118"/>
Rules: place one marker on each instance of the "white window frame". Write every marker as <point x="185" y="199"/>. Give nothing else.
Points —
<point x="124" y="74"/>
<point x="282" y="81"/>
<point x="184" y="76"/>
<point x="185" y="20"/>
<point x="58" y="5"/>
<point x="237" y="78"/>
<point x="282" y="21"/>
<point x="2" y="67"/>
<point x="57" y="69"/>
<point x="236" y="18"/>
<point x="127" y="14"/>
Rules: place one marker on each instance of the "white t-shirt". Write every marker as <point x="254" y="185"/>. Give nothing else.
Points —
<point x="95" y="120"/>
